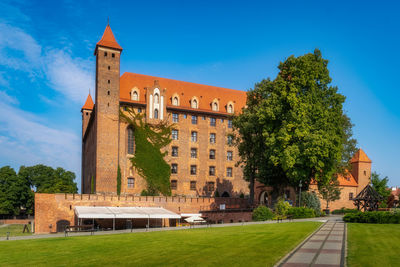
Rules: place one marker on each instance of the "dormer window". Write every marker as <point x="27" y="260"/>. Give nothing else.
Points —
<point x="230" y="108"/>
<point x="135" y="96"/>
<point x="175" y="101"/>
<point x="194" y="103"/>
<point x="215" y="106"/>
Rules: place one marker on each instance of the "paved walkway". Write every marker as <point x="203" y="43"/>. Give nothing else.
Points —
<point x="324" y="248"/>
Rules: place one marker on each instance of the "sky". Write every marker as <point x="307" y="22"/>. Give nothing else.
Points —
<point x="47" y="62"/>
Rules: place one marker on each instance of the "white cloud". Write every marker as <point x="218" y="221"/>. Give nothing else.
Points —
<point x="8" y="99"/>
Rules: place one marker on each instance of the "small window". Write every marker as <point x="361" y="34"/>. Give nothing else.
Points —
<point x="229" y="123"/>
<point x="156" y="99"/>
<point x="229" y="156"/>
<point x="194" y="136"/>
<point x="194" y="119"/>
<point x="125" y="108"/>
<point x="174" y="134"/>
<point x="174" y="168"/>
<point x="230" y="139"/>
<point x="222" y="120"/>
<point x="109" y="67"/>
<point x="229" y="172"/>
<point x="87" y="113"/>
<point x="212" y="138"/>
<point x="204" y="118"/>
<point x="215" y="106"/>
<point x="105" y="54"/>
<point x="211" y="170"/>
<point x="174" y="152"/>
<point x="175" y="101"/>
<point x="350" y="196"/>
<point x="230" y="108"/>
<point x="212" y="154"/>
<point x="109" y="81"/>
<point x="131" y="141"/>
<point x="135" y="96"/>
<point x="213" y="121"/>
<point x="194" y="103"/>
<point x="108" y="92"/>
<point x="184" y="116"/>
<point x="193" y="185"/>
<point x="365" y="172"/>
<point x="193" y="169"/>
<point x="156" y="114"/>
<point x="174" y="184"/>
<point x="175" y="117"/>
<point x="193" y="153"/>
<point x="210" y="186"/>
<point x="112" y="55"/>
<point x="139" y="110"/>
<point x="131" y="182"/>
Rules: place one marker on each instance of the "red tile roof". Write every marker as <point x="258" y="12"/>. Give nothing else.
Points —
<point x="108" y="40"/>
<point x="347" y="180"/>
<point x="88" y="104"/>
<point x="185" y="90"/>
<point x="360" y="156"/>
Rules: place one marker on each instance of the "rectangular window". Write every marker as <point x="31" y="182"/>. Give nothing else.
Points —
<point x="175" y="117"/>
<point x="192" y="185"/>
<point x="139" y="110"/>
<point x="194" y="119"/>
<point x="131" y="182"/>
<point x="212" y="154"/>
<point x="174" y="151"/>
<point x="229" y="156"/>
<point x="212" y="138"/>
<point x="230" y="139"/>
<point x="350" y="196"/>
<point x="131" y="141"/>
<point x="193" y="153"/>
<point x="213" y="121"/>
<point x="204" y="118"/>
<point x="174" y="134"/>
<point x="229" y="172"/>
<point x="210" y="186"/>
<point x="193" y="169"/>
<point x="211" y="170"/>
<point x="174" y="184"/>
<point x="174" y="168"/>
<point x="229" y="123"/>
<point x="194" y="136"/>
<point x="222" y="120"/>
<point x="184" y="116"/>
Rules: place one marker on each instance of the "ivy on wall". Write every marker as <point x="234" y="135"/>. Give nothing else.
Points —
<point x="148" y="160"/>
<point x="119" y="181"/>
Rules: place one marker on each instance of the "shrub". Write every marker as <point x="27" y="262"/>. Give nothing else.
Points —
<point x="262" y="213"/>
<point x="301" y="212"/>
<point x="282" y="207"/>
<point x="373" y="217"/>
<point x="310" y="200"/>
<point x="345" y="211"/>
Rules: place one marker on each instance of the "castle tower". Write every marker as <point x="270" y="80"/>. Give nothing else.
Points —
<point x="86" y="113"/>
<point x="361" y="168"/>
<point x="107" y="53"/>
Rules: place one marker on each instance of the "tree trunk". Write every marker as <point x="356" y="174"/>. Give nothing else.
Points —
<point x="251" y="200"/>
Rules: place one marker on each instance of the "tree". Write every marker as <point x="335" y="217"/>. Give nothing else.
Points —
<point x="330" y="191"/>
<point x="119" y="181"/>
<point x="299" y="119"/>
<point x="380" y="185"/>
<point x="310" y="200"/>
<point x="148" y="160"/>
<point x="12" y="193"/>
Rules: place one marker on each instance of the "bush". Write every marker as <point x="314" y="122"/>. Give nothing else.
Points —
<point x="301" y="212"/>
<point x="310" y="200"/>
<point x="262" y="213"/>
<point x="345" y="211"/>
<point x="282" y="207"/>
<point x="373" y="217"/>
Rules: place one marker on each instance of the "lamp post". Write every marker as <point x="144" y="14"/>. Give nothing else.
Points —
<point x="300" y="194"/>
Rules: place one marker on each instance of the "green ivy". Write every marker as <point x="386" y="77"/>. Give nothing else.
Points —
<point x="119" y="181"/>
<point x="149" y="160"/>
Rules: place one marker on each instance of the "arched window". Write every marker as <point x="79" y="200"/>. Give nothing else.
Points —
<point x="156" y="99"/>
<point x="156" y="114"/>
<point x="175" y="101"/>
<point x="135" y="96"/>
<point x="215" y="106"/>
<point x="194" y="103"/>
<point x="131" y="141"/>
<point x="230" y="108"/>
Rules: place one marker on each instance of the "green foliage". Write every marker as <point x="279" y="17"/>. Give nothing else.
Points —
<point x="310" y="200"/>
<point x="344" y="211"/>
<point x="294" y="127"/>
<point x="13" y="191"/>
<point x="119" y="181"/>
<point x="373" y="217"/>
<point x="380" y="185"/>
<point x="301" y="212"/>
<point x="330" y="191"/>
<point x="282" y="207"/>
<point x="262" y="213"/>
<point x="148" y="160"/>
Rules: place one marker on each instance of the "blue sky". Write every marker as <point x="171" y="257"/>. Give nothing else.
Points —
<point x="47" y="62"/>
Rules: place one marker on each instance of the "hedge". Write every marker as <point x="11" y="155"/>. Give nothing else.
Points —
<point x="345" y="211"/>
<point x="373" y="217"/>
<point x="296" y="212"/>
<point x="262" y="213"/>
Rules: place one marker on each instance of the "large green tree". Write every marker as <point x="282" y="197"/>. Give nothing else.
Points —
<point x="380" y="185"/>
<point x="148" y="160"/>
<point x="300" y="121"/>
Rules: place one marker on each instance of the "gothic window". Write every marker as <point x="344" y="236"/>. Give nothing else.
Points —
<point x="156" y="114"/>
<point x="215" y="106"/>
<point x="194" y="103"/>
<point x="131" y="141"/>
<point x="175" y="101"/>
<point x="230" y="108"/>
<point x="135" y="96"/>
<point x="156" y="99"/>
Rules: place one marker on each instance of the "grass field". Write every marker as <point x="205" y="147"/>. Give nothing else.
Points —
<point x="252" y="245"/>
<point x="14" y="229"/>
<point x="373" y="244"/>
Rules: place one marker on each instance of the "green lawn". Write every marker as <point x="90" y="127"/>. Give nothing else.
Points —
<point x="373" y="244"/>
<point x="14" y="229"/>
<point x="253" y="245"/>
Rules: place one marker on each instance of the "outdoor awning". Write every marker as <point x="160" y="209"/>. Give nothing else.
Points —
<point x="124" y="213"/>
<point x="191" y="214"/>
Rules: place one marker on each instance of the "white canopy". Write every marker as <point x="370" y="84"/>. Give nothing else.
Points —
<point x="124" y="213"/>
<point x="191" y="214"/>
<point x="194" y="219"/>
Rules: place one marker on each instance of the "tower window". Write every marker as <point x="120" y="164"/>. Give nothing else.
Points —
<point x="112" y="55"/>
<point x="131" y="141"/>
<point x="194" y="136"/>
<point x="212" y="138"/>
<point x="211" y="170"/>
<point x="108" y="81"/>
<point x="212" y="154"/>
<point x="105" y="54"/>
<point x="108" y="92"/>
<point x="109" y="67"/>
<point x="193" y="169"/>
<point x="193" y="153"/>
<point x="174" y="151"/>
